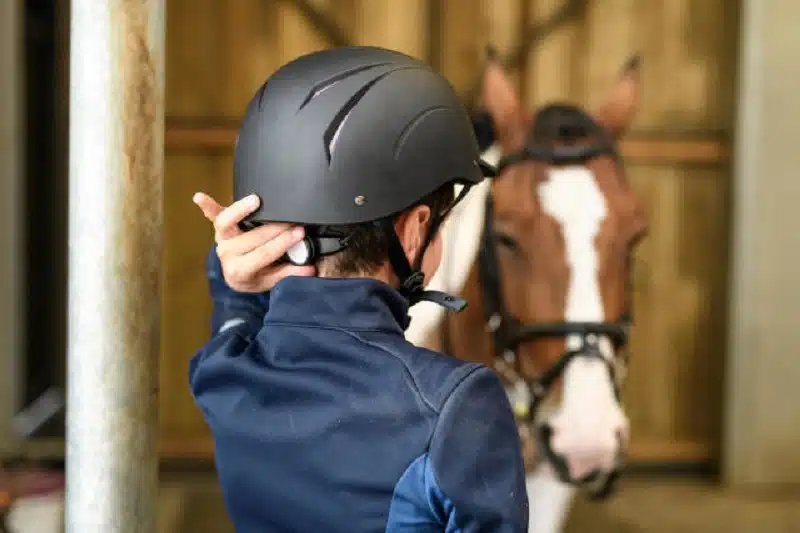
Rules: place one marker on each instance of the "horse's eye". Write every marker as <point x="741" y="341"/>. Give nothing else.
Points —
<point x="506" y="241"/>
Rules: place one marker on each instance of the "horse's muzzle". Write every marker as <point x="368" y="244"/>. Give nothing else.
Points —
<point x="598" y="483"/>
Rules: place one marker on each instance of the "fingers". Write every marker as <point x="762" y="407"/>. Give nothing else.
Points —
<point x="248" y="257"/>
<point x="242" y="269"/>
<point x="226" y="224"/>
<point x="210" y="208"/>
<point x="250" y="240"/>
<point x="271" y="251"/>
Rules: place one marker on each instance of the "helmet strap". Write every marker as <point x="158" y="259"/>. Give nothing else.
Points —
<point x="412" y="279"/>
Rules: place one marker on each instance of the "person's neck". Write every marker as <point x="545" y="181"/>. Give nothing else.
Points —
<point x="384" y="274"/>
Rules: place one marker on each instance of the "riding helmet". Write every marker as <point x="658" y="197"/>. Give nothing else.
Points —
<point x="351" y="135"/>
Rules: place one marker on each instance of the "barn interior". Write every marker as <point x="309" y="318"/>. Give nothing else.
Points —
<point x="712" y="389"/>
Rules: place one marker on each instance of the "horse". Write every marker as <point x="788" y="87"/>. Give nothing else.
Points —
<point x="542" y="252"/>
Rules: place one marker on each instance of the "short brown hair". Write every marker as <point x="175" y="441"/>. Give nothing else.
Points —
<point x="368" y="246"/>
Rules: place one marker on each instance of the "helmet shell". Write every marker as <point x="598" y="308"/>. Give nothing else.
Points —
<point x="349" y="135"/>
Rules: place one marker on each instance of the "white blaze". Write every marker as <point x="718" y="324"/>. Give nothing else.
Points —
<point x="587" y="424"/>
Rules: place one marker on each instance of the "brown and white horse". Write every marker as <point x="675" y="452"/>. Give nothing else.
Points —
<point x="542" y="252"/>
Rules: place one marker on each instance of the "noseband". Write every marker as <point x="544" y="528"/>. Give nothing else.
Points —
<point x="509" y="332"/>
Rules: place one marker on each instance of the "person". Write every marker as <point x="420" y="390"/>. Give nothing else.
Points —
<point x="324" y="418"/>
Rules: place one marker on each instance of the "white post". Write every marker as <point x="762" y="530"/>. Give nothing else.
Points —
<point x="762" y="436"/>
<point x="116" y="160"/>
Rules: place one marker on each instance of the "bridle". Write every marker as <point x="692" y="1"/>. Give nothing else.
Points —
<point x="509" y="332"/>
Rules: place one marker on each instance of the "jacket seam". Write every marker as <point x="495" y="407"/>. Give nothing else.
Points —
<point x="350" y="333"/>
<point x="468" y="373"/>
<point x="332" y="328"/>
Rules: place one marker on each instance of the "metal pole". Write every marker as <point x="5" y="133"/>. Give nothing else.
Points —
<point x="115" y="222"/>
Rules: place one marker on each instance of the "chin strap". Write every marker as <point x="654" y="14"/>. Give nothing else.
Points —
<point x="412" y="280"/>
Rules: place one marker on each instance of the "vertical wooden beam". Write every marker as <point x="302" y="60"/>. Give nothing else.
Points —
<point x="506" y="21"/>
<point x="762" y="433"/>
<point x="550" y="73"/>
<point x="462" y="38"/>
<point x="297" y="35"/>
<point x="11" y="200"/>
<point x="400" y="25"/>
<point x="116" y="158"/>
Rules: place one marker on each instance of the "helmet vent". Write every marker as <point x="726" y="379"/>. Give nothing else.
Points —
<point x="323" y="86"/>
<point x="334" y="128"/>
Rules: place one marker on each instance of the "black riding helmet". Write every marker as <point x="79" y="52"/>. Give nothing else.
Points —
<point x="352" y="135"/>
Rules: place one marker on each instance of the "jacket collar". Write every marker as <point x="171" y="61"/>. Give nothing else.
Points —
<point x="345" y="303"/>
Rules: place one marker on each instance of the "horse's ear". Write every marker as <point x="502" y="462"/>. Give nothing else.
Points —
<point x="500" y="98"/>
<point x="618" y="111"/>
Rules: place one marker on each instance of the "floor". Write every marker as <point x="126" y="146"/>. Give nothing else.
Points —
<point x="656" y="506"/>
<point x="192" y="503"/>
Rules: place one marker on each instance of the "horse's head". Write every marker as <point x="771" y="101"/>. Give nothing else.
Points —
<point x="561" y="224"/>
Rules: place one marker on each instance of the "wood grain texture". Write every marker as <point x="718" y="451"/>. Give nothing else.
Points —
<point x="186" y="312"/>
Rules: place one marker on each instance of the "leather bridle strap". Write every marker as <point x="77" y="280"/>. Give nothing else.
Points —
<point x="557" y="154"/>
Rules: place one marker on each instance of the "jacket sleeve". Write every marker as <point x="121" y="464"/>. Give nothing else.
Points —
<point x="236" y="318"/>
<point x="232" y="309"/>
<point x="476" y="458"/>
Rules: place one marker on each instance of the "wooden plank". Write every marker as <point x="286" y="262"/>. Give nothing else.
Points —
<point x="400" y="25"/>
<point x="297" y="35"/>
<point x="650" y="150"/>
<point x="218" y="53"/>
<point x="654" y="451"/>
<point x="461" y="37"/>
<point x="505" y="22"/>
<point x="186" y="305"/>
<point x="679" y="304"/>
<point x="687" y="72"/>
<point x="689" y="53"/>
<point x="605" y="57"/>
<point x="555" y="67"/>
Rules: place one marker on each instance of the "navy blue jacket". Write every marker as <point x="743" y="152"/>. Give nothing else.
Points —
<point x="326" y="420"/>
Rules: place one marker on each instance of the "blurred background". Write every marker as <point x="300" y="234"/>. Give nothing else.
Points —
<point x="714" y="386"/>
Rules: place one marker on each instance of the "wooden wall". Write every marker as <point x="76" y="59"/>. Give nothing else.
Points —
<point x="218" y="53"/>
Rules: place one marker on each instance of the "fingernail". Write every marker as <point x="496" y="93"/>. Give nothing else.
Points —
<point x="298" y="232"/>
<point x="253" y="200"/>
<point x="196" y="197"/>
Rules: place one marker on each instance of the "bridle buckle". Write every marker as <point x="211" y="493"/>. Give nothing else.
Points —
<point x="494" y="323"/>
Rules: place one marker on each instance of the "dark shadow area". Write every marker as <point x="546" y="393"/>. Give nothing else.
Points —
<point x="46" y="203"/>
